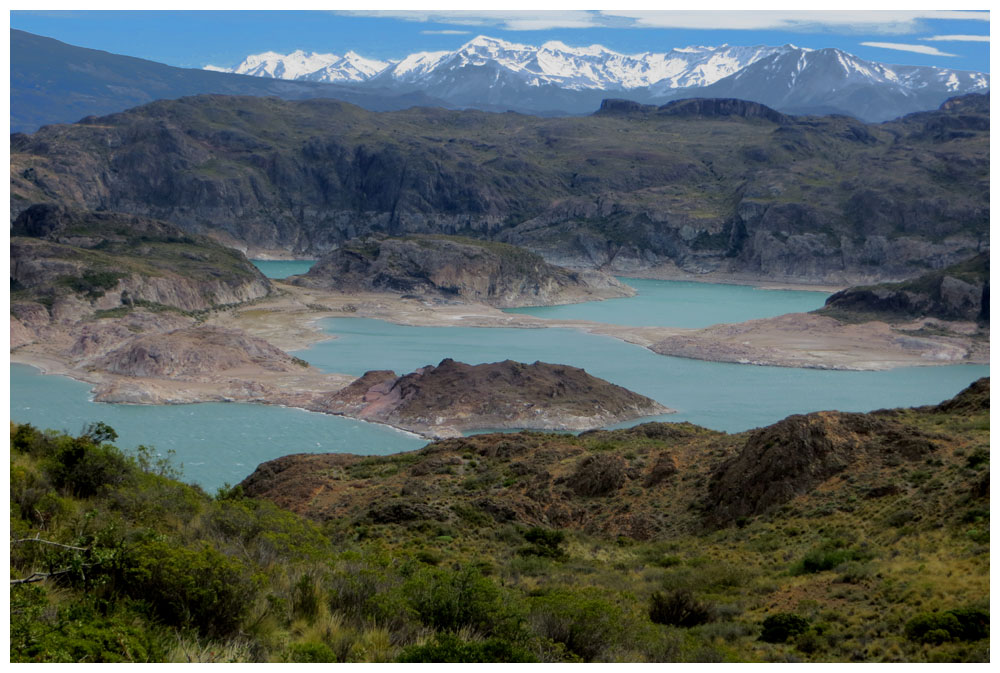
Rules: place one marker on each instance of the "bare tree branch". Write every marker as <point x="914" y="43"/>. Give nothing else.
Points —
<point x="54" y="544"/>
<point x="38" y="577"/>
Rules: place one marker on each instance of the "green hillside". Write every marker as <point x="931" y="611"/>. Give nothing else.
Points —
<point x="874" y="547"/>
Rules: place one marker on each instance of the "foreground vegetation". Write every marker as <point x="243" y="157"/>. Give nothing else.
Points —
<point x="114" y="559"/>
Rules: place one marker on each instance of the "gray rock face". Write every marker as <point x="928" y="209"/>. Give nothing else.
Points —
<point x="193" y="352"/>
<point x="959" y="292"/>
<point x="92" y="261"/>
<point x="492" y="273"/>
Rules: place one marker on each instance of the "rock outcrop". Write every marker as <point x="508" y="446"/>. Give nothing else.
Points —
<point x="454" y="396"/>
<point x="194" y="352"/>
<point x="101" y="261"/>
<point x="458" y="268"/>
<point x="795" y="455"/>
<point x="959" y="292"/>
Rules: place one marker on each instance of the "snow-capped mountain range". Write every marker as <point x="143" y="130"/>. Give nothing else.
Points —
<point x="312" y="67"/>
<point x="573" y="68"/>
<point x="495" y="74"/>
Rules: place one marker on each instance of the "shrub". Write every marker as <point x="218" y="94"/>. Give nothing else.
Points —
<point x="448" y="648"/>
<point x="199" y="588"/>
<point x="83" y="468"/>
<point x="828" y="556"/>
<point x="598" y="475"/>
<point x="450" y="600"/>
<point x="778" y="628"/>
<point x="587" y="624"/>
<point x="678" y="608"/>
<point x="544" y="542"/>
<point x="809" y="642"/>
<point x="958" y="624"/>
<point x="311" y="653"/>
<point x="306" y="598"/>
<point x="93" y="284"/>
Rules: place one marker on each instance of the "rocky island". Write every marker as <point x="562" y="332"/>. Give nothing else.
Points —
<point x="452" y="397"/>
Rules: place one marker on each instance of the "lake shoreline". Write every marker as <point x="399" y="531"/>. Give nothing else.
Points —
<point x="290" y="320"/>
<point x="791" y="340"/>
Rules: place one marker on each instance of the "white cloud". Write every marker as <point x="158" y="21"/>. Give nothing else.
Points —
<point x="445" y="32"/>
<point x="917" y="48"/>
<point x="957" y="38"/>
<point x="838" y="21"/>
<point x="503" y="19"/>
<point x="878" y="21"/>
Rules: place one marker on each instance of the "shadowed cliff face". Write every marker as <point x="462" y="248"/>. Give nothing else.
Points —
<point x="959" y="292"/>
<point x="704" y="186"/>
<point x="452" y="267"/>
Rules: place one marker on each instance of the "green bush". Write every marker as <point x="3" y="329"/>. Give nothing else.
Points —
<point x="585" y="622"/>
<point x="84" y="468"/>
<point x="199" y="588"/>
<point x="448" y="648"/>
<point x="306" y="598"/>
<point x="311" y="653"/>
<point x="544" y="542"/>
<point x="93" y="284"/>
<point x="80" y="630"/>
<point x="828" y="556"/>
<point x="678" y="608"/>
<point x="958" y="624"/>
<point x="778" y="628"/>
<point x="449" y="600"/>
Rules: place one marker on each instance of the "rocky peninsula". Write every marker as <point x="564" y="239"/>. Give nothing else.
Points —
<point x="454" y="267"/>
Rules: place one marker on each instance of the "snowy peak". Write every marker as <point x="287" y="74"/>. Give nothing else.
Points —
<point x="554" y="63"/>
<point x="578" y="68"/>
<point x="487" y="71"/>
<point x="310" y="66"/>
<point x="835" y="68"/>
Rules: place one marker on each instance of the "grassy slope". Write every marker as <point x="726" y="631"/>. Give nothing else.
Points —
<point x="172" y="574"/>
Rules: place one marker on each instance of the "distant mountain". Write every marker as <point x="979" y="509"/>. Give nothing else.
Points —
<point x="831" y="81"/>
<point x="489" y="73"/>
<point x="575" y="69"/>
<point x="52" y="82"/>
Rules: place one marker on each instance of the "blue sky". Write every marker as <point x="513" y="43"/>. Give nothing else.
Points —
<point x="950" y="39"/>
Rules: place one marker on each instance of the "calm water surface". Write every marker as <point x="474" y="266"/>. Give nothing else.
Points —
<point x="671" y="303"/>
<point x="283" y="268"/>
<point x="225" y="442"/>
<point x="216" y="442"/>
<point x="718" y="395"/>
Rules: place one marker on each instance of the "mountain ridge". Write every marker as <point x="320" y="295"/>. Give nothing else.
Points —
<point x="790" y="78"/>
<point x="54" y="82"/>
<point x="701" y="192"/>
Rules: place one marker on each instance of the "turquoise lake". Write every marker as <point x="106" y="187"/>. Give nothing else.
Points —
<point x="215" y="442"/>
<point x="220" y="442"/>
<point x="671" y="303"/>
<point x="718" y="395"/>
<point x="277" y="268"/>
